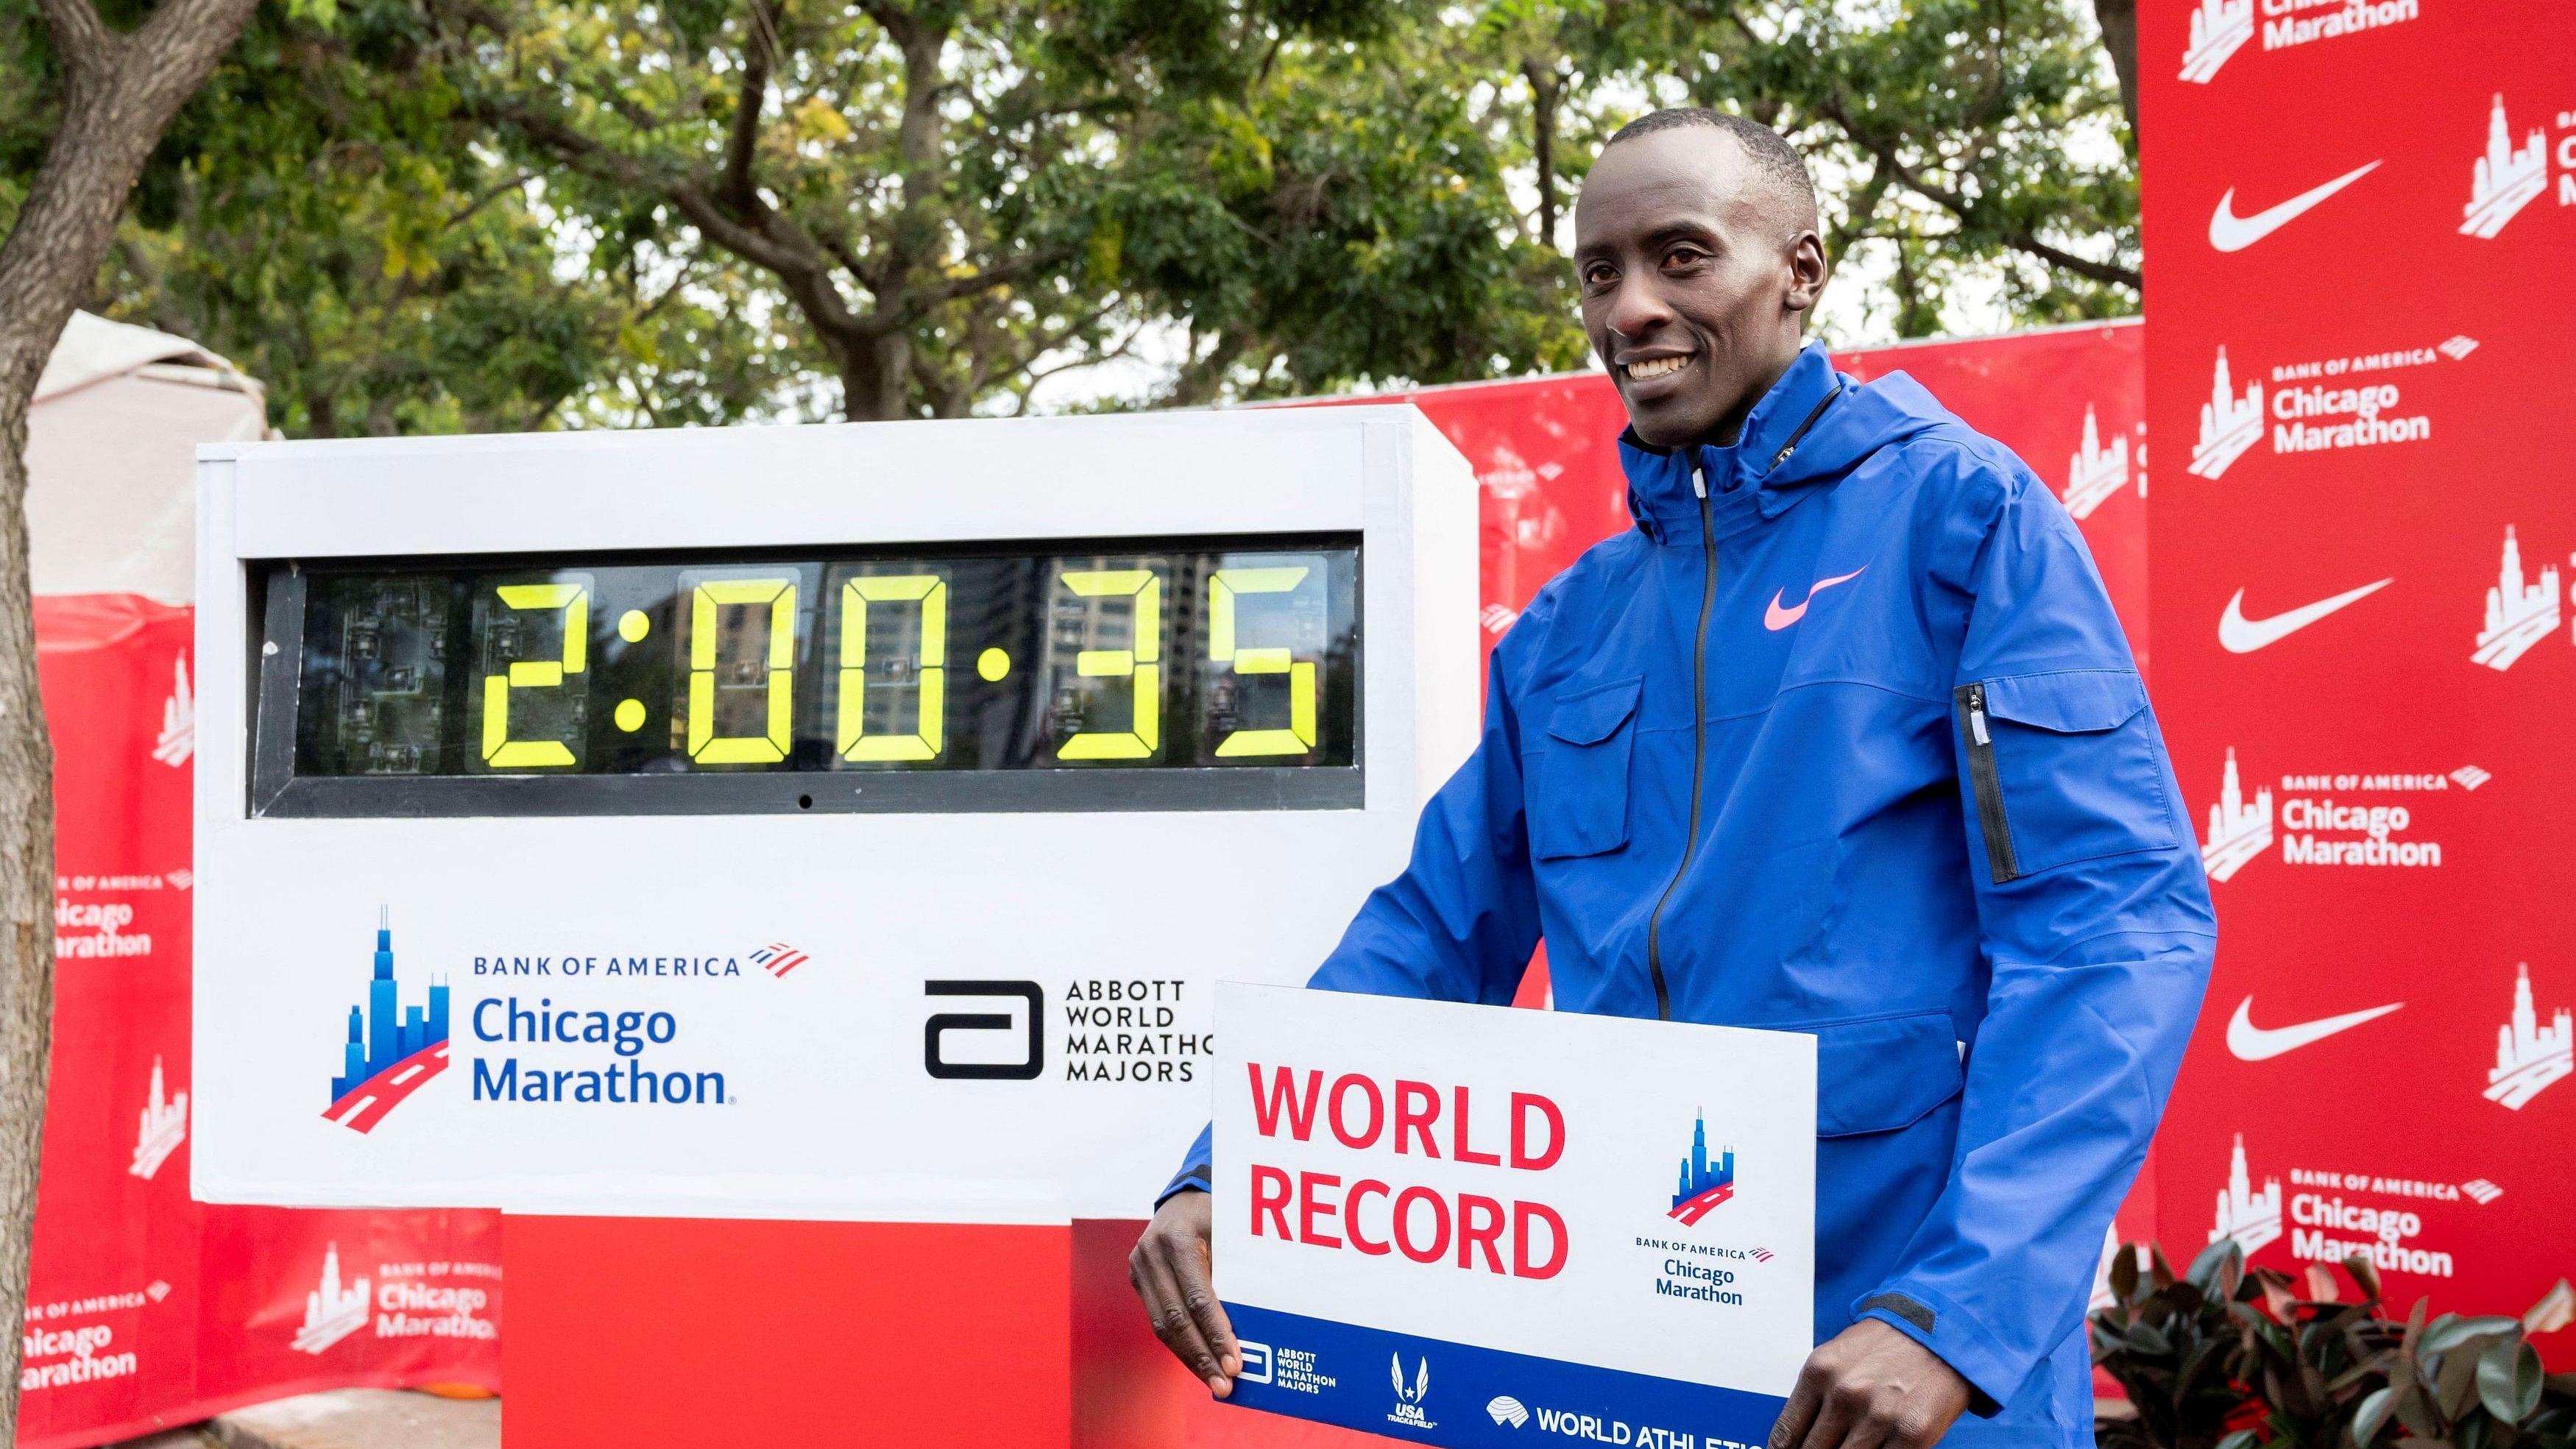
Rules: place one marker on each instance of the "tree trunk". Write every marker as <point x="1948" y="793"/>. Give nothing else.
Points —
<point x="2119" y="20"/>
<point x="1546" y="86"/>
<point x="119" y="93"/>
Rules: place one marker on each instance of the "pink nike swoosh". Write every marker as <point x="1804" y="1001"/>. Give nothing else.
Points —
<point x="1776" y="618"/>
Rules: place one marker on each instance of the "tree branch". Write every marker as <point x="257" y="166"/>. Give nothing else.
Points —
<point x="2112" y="272"/>
<point x="733" y="184"/>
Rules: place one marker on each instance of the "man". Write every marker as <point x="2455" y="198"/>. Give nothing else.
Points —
<point x="1843" y="738"/>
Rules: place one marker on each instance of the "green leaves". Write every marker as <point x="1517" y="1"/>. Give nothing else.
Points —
<point x="2257" y="1364"/>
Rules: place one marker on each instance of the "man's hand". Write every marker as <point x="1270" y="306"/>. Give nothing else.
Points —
<point x="1169" y="1271"/>
<point x="1870" y="1387"/>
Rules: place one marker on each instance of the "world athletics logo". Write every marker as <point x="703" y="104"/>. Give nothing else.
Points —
<point x="1704" y="1184"/>
<point x="388" y="1056"/>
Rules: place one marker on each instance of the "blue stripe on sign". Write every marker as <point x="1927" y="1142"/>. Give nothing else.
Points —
<point x="1374" y="1380"/>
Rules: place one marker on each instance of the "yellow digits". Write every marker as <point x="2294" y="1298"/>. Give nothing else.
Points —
<point x="1299" y="737"/>
<point x="1142" y="663"/>
<point x="925" y="742"/>
<point x="499" y="750"/>
<point x="705" y="745"/>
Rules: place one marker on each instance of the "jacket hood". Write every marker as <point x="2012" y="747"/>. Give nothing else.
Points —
<point x="1814" y="425"/>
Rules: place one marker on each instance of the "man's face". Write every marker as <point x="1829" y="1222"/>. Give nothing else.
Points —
<point x="1694" y="272"/>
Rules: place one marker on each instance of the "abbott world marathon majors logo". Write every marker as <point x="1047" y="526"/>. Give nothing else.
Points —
<point x="561" y="1038"/>
<point x="2339" y="819"/>
<point x="2219" y="28"/>
<point x="402" y="1300"/>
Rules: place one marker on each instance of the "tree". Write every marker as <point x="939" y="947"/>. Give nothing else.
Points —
<point x="1946" y="136"/>
<point x="380" y="265"/>
<point x="114" y="91"/>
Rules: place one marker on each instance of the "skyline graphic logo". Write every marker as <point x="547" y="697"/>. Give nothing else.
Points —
<point x="331" y="1312"/>
<point x="2529" y="1056"/>
<point x="2504" y="180"/>
<point x="1703" y="1184"/>
<point x="2251" y="1218"/>
<point x="778" y="958"/>
<point x="2228" y="424"/>
<point x="164" y="1127"/>
<point x="2517" y="617"/>
<point x="2238" y="831"/>
<point x="387" y="1056"/>
<point x="2094" y="473"/>
<point x="178" y="737"/>
<point x="2217" y="29"/>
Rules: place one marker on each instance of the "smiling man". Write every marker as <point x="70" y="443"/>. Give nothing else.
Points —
<point x="1842" y="738"/>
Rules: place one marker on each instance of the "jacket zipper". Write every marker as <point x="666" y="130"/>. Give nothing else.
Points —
<point x="1699" y="746"/>
<point x="1987" y="785"/>
<point x="1699" y="702"/>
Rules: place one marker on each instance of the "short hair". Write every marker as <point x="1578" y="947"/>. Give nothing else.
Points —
<point x="1770" y="152"/>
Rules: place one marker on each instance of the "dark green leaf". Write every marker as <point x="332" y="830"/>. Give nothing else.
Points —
<point x="2509" y="1379"/>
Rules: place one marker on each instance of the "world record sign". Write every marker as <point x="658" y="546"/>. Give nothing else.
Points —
<point x="1446" y="1223"/>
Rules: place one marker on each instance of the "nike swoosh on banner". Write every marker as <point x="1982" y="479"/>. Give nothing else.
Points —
<point x="2240" y="635"/>
<point x="2232" y="233"/>
<point x="2251" y="1043"/>
<point x="1776" y="618"/>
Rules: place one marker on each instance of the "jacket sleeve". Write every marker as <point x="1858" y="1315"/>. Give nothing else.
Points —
<point x="1461" y="922"/>
<point x="2097" y="929"/>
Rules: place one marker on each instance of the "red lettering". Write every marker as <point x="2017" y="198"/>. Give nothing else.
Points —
<point x="1266" y="1107"/>
<point x="1522" y="1157"/>
<point x="1376" y="1111"/>
<point x="1351" y="1215"/>
<point x="1459" y="1140"/>
<point x="1417" y="1119"/>
<point x="1264" y="1179"/>
<point x="1522" y="1267"/>
<point x="1310" y="1207"/>
<point x="1438" y="1247"/>
<point x="1472" y="1234"/>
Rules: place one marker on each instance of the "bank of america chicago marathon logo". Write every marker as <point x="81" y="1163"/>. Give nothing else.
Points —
<point x="2315" y="405"/>
<point x="2519" y="613"/>
<point x="2319" y="822"/>
<point x="1704" y="1183"/>
<point x="398" y="1306"/>
<point x="392" y="1051"/>
<point x="2331" y="1214"/>
<point x="2219" y="28"/>
<point x="163" y="1127"/>
<point x="2508" y="177"/>
<point x="2096" y="473"/>
<point x="2529" y="1056"/>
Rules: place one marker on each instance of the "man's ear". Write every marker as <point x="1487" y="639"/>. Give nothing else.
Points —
<point x="1807" y="272"/>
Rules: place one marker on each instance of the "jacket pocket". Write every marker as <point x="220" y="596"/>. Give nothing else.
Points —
<point x="1885" y="1073"/>
<point x="1578" y="802"/>
<point x="2064" y="767"/>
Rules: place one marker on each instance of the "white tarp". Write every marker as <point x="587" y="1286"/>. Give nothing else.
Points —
<point x="111" y="457"/>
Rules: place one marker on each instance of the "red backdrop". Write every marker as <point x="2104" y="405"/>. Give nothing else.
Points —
<point x="2366" y="217"/>
<point x="145" y="1308"/>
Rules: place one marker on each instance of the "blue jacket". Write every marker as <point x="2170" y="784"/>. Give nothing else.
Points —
<point x="1852" y="745"/>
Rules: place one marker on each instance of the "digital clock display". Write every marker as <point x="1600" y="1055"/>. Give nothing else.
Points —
<point x="1179" y="674"/>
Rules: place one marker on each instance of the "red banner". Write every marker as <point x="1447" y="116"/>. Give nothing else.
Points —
<point x="145" y="1308"/>
<point x="2361" y="215"/>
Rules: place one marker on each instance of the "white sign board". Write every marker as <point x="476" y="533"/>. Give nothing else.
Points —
<point x="824" y="822"/>
<point x="1441" y="1222"/>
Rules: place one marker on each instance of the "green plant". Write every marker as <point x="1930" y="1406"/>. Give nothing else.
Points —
<point x="2224" y="1357"/>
